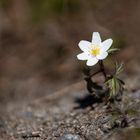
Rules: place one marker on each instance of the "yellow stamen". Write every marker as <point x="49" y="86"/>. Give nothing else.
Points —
<point x="94" y="50"/>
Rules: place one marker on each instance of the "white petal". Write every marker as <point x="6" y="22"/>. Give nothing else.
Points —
<point x="83" y="45"/>
<point x="96" y="39"/>
<point x="105" y="45"/>
<point x="102" y="55"/>
<point x="83" y="56"/>
<point x="92" y="61"/>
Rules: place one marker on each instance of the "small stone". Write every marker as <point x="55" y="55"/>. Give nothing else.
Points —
<point x="91" y="137"/>
<point x="70" y="136"/>
<point x="29" y="134"/>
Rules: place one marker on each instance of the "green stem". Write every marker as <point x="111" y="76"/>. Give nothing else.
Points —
<point x="102" y="68"/>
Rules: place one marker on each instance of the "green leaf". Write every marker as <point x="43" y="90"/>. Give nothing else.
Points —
<point x="113" y="86"/>
<point x="113" y="50"/>
<point x="119" y="68"/>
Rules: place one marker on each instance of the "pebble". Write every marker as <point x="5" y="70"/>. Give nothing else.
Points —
<point x="29" y="134"/>
<point x="135" y="94"/>
<point x="70" y="136"/>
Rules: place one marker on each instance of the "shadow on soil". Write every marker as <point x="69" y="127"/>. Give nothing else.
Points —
<point x="87" y="101"/>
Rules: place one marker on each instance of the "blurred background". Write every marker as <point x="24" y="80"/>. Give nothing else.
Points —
<point x="38" y="41"/>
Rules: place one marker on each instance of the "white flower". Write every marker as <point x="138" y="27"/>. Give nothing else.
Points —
<point x="95" y="50"/>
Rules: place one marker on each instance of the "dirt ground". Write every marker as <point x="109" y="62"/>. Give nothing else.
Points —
<point x="71" y="114"/>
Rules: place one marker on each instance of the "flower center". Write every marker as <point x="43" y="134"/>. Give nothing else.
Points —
<point x="94" y="50"/>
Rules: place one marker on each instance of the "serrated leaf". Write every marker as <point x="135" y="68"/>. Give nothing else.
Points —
<point x="107" y="80"/>
<point x="122" y="82"/>
<point x="119" y="68"/>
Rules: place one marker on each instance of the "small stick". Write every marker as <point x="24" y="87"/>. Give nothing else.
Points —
<point x="94" y="73"/>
